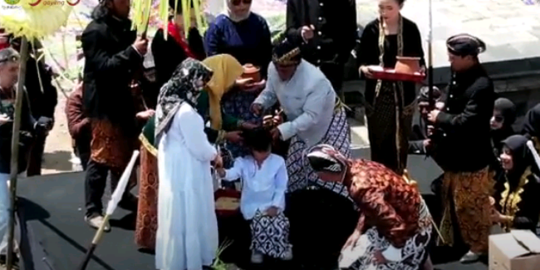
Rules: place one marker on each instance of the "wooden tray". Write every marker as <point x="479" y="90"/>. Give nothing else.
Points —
<point x="389" y="74"/>
<point x="227" y="193"/>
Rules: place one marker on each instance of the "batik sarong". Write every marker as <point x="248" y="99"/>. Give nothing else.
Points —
<point x="389" y="128"/>
<point x="270" y="235"/>
<point x="301" y="175"/>
<point x="146" y="226"/>
<point x="413" y="254"/>
<point x="466" y="195"/>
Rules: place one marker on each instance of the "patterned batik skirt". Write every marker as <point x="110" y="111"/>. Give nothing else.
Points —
<point x="112" y="147"/>
<point x="270" y="235"/>
<point x="413" y="254"/>
<point x="301" y="175"/>
<point x="146" y="226"/>
<point x="389" y="128"/>
<point x="465" y="198"/>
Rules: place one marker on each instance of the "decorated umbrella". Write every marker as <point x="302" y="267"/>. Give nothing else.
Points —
<point x="30" y="20"/>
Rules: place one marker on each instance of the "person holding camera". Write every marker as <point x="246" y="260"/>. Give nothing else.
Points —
<point x="42" y="98"/>
<point x="29" y="128"/>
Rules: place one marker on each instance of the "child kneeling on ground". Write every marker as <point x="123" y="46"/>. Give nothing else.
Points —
<point x="264" y="181"/>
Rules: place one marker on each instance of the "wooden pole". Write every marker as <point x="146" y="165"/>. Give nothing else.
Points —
<point x="15" y="151"/>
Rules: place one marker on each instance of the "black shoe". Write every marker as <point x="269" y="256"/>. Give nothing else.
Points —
<point x="130" y="203"/>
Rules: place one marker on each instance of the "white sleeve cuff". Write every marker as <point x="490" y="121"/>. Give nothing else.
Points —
<point x="286" y="130"/>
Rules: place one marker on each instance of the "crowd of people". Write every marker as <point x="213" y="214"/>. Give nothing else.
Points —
<point x="285" y="137"/>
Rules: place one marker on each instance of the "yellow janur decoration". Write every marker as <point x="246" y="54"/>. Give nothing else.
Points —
<point x="142" y="10"/>
<point x="34" y="19"/>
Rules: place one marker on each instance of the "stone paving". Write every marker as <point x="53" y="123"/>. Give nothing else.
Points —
<point x="510" y="28"/>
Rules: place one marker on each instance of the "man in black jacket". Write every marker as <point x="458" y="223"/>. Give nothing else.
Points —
<point x="43" y="97"/>
<point x="463" y="146"/>
<point x="113" y="53"/>
<point x="327" y="29"/>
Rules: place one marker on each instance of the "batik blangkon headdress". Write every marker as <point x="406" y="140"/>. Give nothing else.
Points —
<point x="286" y="53"/>
<point x="325" y="158"/>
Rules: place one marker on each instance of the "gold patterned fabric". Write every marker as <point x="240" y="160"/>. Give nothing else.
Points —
<point x="465" y="195"/>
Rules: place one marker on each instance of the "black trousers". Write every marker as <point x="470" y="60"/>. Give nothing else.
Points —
<point x="96" y="182"/>
<point x="82" y="148"/>
<point x="35" y="157"/>
<point x="321" y="222"/>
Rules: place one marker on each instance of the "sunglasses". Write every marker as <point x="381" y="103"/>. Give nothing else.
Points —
<point x="238" y="2"/>
<point x="10" y="59"/>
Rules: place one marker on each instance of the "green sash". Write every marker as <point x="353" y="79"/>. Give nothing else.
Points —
<point x="147" y="136"/>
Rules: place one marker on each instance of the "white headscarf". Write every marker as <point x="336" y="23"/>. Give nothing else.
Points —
<point x="231" y="15"/>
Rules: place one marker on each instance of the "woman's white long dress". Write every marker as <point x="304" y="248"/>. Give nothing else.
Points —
<point x="187" y="235"/>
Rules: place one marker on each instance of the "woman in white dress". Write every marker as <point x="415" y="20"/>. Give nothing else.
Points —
<point x="187" y="235"/>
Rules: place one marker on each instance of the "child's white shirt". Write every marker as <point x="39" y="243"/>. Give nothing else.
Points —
<point x="262" y="187"/>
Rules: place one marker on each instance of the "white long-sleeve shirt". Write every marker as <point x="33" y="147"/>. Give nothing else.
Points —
<point x="307" y="99"/>
<point x="262" y="187"/>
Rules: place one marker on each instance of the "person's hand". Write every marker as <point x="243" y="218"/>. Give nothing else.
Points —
<point x="141" y="45"/>
<point x="234" y="136"/>
<point x="495" y="217"/>
<point x="365" y="70"/>
<point x="46" y="122"/>
<point x="249" y="126"/>
<point x="268" y="121"/>
<point x="145" y="115"/>
<point x="379" y="257"/>
<point x="254" y="86"/>
<point x="427" y="143"/>
<point x="432" y="116"/>
<point x="221" y="172"/>
<point x="307" y="32"/>
<point x="278" y="119"/>
<point x="275" y="133"/>
<point x="4" y="119"/>
<point x="272" y="211"/>
<point x="352" y="239"/>
<point x="439" y="105"/>
<point x="243" y="83"/>
<point x="430" y="130"/>
<point x="218" y="161"/>
<point x="256" y="108"/>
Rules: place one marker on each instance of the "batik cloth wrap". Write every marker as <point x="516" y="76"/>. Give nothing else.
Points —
<point x="301" y="175"/>
<point x="270" y="235"/>
<point x="389" y="118"/>
<point x="146" y="226"/>
<point x="413" y="254"/>
<point x="465" y="198"/>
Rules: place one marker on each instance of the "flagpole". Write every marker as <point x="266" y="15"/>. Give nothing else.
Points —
<point x="14" y="169"/>
<point x="430" y="57"/>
